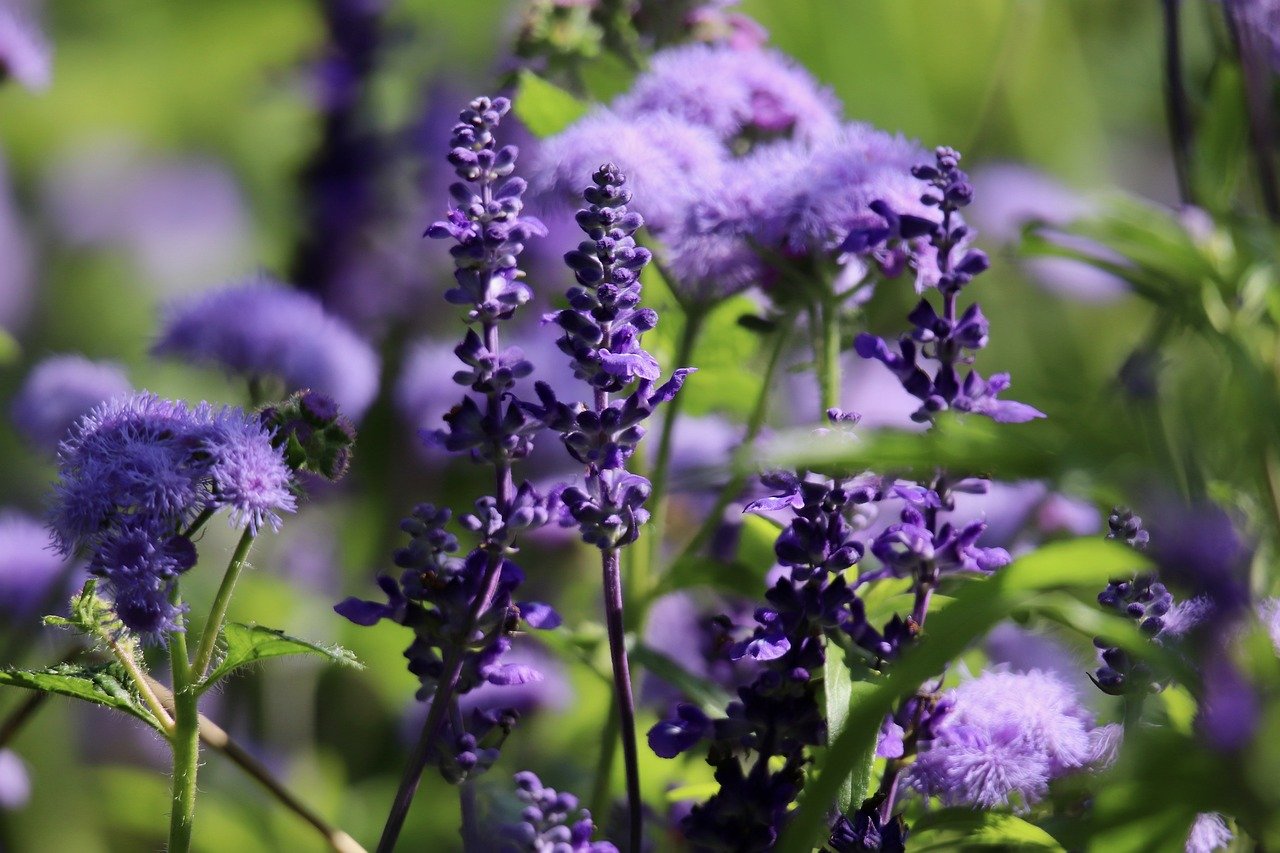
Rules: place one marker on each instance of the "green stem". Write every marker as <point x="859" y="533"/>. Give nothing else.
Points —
<point x="660" y="474"/>
<point x="828" y="366"/>
<point x="186" y="747"/>
<point x="198" y="522"/>
<point x="213" y="625"/>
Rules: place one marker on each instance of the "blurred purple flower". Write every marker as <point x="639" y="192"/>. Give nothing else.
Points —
<point x="1006" y="737"/>
<point x="1269" y="613"/>
<point x="1059" y="513"/>
<point x="182" y="221"/>
<point x="15" y="783"/>
<point x="666" y="161"/>
<point x="58" y="391"/>
<point x="551" y="692"/>
<point x="1209" y="832"/>
<point x="1230" y="709"/>
<point x="686" y="631"/>
<point x="263" y="327"/>
<point x="1015" y="195"/>
<point x="716" y="24"/>
<point x="31" y="569"/>
<point x="734" y="93"/>
<point x="1021" y="650"/>
<point x="25" y="55"/>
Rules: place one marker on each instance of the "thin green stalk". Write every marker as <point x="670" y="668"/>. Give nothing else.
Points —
<point x="828" y="366"/>
<point x="660" y="473"/>
<point x="186" y="747"/>
<point x="218" y="612"/>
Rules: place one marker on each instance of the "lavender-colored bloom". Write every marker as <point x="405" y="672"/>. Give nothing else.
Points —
<point x="15" y="782"/>
<point x="734" y="93"/>
<point x="1269" y="613"/>
<point x="1060" y="513"/>
<point x="1005" y="738"/>
<point x="1017" y="649"/>
<point x="1230" y="709"/>
<point x="30" y="566"/>
<point x="715" y="23"/>
<point x="1209" y="832"/>
<point x="183" y="222"/>
<point x="1015" y="196"/>
<point x="947" y="265"/>
<point x="61" y="389"/>
<point x="136" y="471"/>
<point x="25" y="55"/>
<point x="550" y="691"/>
<point x="1259" y="22"/>
<point x="666" y="160"/>
<point x="551" y="822"/>
<point x="261" y="327"/>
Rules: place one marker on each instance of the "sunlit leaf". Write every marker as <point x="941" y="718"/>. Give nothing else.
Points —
<point x="244" y="645"/>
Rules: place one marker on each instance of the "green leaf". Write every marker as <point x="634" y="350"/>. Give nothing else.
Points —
<point x="248" y="644"/>
<point x="705" y="693"/>
<point x="1083" y="564"/>
<point x="105" y="684"/>
<point x="842" y="693"/>
<point x="544" y="107"/>
<point x="744" y="575"/>
<point x="963" y="829"/>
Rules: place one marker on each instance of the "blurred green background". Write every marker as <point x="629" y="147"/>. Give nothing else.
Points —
<point x="1072" y="87"/>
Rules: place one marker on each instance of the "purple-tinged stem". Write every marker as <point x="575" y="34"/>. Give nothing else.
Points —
<point x="1257" y="109"/>
<point x="455" y="657"/>
<point x="1175" y="100"/>
<point x="622" y="688"/>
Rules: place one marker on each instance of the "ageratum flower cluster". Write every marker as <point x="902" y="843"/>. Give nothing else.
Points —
<point x="461" y="608"/>
<point x="949" y="339"/>
<point x="136" y="474"/>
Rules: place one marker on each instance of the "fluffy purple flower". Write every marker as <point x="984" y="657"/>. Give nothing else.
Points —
<point x="249" y="476"/>
<point x="261" y="327"/>
<point x="25" y="56"/>
<point x="1006" y="737"/>
<point x="1209" y="832"/>
<point x="30" y="566"/>
<point x="136" y="471"/>
<point x="734" y="93"/>
<point x="58" y="391"/>
<point x="666" y="160"/>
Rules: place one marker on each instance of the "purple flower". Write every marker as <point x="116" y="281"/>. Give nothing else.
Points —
<point x="58" y="391"/>
<point x="1209" y="832"/>
<point x="1006" y="736"/>
<point x="674" y="735"/>
<point x="734" y="93"/>
<point x="31" y="569"/>
<point x="263" y="328"/>
<point x="551" y="821"/>
<point x="25" y="56"/>
<point x="249" y="476"/>
<point x="15" y="783"/>
<point x="136" y="471"/>
<point x="666" y="160"/>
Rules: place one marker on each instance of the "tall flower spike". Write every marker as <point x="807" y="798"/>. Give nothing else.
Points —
<point x="548" y="822"/>
<point x="939" y="251"/>
<point x="602" y="331"/>
<point x="461" y="609"/>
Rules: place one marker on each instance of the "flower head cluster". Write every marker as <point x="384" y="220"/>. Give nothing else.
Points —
<point x="25" y="56"/>
<point x="58" y="391"/>
<point x="548" y="823"/>
<point x="262" y="328"/>
<point x="939" y="251"/>
<point x="602" y="331"/>
<point x="777" y="718"/>
<point x="752" y="93"/>
<point x="486" y="221"/>
<point x="1006" y="736"/>
<point x="137" y="471"/>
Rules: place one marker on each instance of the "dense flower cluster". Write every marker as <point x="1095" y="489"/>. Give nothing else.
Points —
<point x="548" y="823"/>
<point x="137" y="472"/>
<point x="262" y="329"/>
<point x="938" y="250"/>
<point x="58" y="391"/>
<point x="1005" y="736"/>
